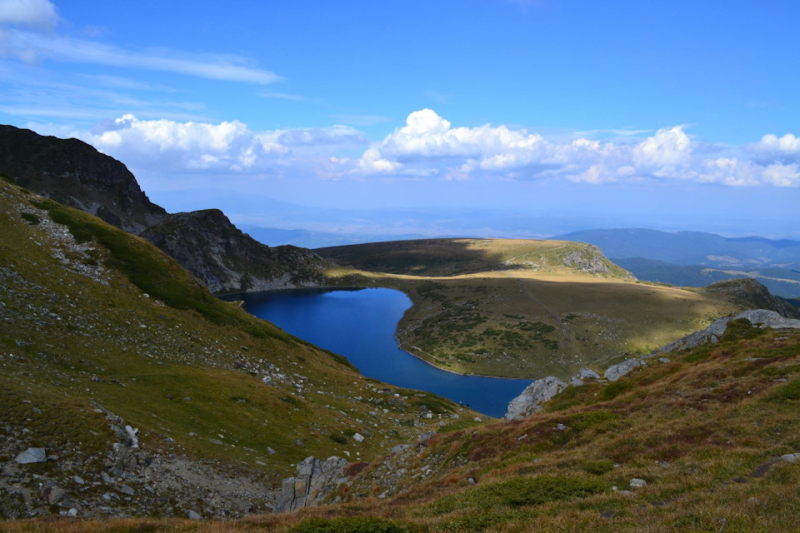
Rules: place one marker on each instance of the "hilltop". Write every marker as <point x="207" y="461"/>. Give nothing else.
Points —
<point x="127" y="388"/>
<point x="528" y="308"/>
<point x="204" y="242"/>
<point x="452" y="257"/>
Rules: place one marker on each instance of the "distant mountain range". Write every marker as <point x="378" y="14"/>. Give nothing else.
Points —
<point x="698" y="259"/>
<point x="692" y="248"/>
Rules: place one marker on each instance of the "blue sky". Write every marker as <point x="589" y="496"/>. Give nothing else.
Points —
<point x="669" y="114"/>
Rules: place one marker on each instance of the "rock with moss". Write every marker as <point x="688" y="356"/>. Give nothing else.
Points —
<point x="533" y="396"/>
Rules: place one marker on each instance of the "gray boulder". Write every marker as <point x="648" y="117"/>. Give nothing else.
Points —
<point x="314" y="481"/>
<point x="583" y="373"/>
<point x="533" y="396"/>
<point x="32" y="455"/>
<point x="614" y="372"/>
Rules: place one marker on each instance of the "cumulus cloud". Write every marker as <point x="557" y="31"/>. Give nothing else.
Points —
<point x="428" y="144"/>
<point x="226" y="147"/>
<point x="39" y="14"/>
<point x="773" y="148"/>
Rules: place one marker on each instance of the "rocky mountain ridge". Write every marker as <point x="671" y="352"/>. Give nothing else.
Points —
<point x="204" y="242"/>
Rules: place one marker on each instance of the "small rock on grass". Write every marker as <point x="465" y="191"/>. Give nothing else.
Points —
<point x="637" y="483"/>
<point x="194" y="515"/>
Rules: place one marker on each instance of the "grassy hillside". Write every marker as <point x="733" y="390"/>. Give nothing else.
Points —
<point x="449" y="257"/>
<point x="705" y="431"/>
<point x="96" y="323"/>
<point x="537" y="308"/>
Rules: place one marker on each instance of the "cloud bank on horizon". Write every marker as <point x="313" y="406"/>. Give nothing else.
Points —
<point x="429" y="147"/>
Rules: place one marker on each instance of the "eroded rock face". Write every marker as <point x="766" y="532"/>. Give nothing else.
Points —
<point x="755" y="295"/>
<point x="314" y="481"/>
<point x="589" y="259"/>
<point x="226" y="259"/>
<point x="533" y="396"/>
<point x="76" y="174"/>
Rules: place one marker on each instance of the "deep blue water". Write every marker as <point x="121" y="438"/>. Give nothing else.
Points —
<point x="360" y="325"/>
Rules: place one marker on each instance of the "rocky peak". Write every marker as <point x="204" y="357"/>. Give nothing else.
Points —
<point x="755" y="295"/>
<point x="76" y="174"/>
<point x="226" y="259"/>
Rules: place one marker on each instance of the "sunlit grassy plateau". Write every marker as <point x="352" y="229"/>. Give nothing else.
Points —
<point x="524" y="308"/>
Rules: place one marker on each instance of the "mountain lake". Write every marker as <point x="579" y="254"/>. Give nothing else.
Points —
<point x="360" y="325"/>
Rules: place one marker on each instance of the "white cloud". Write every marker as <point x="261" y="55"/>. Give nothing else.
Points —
<point x="783" y="175"/>
<point x="428" y="144"/>
<point x="32" y="47"/>
<point x="788" y="144"/>
<point x="40" y="14"/>
<point x="226" y="147"/>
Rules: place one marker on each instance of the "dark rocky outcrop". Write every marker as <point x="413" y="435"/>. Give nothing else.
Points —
<point x="209" y="246"/>
<point x="76" y="174"/>
<point x="755" y="295"/>
<point x="204" y="242"/>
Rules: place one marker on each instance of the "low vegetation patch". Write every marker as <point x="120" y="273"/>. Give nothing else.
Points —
<point x="613" y="390"/>
<point x="355" y="524"/>
<point x="519" y="492"/>
<point x="788" y="392"/>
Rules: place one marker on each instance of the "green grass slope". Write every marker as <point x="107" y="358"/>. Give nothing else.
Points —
<point x="705" y="430"/>
<point x="93" y="318"/>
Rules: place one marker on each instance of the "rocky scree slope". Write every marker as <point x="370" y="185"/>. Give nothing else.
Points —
<point x="204" y="242"/>
<point x="128" y="389"/>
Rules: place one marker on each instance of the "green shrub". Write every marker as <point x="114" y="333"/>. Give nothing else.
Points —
<point x="589" y="419"/>
<point x="7" y="178"/>
<point x="355" y="524"/>
<point x="613" y="390"/>
<point x="31" y="218"/>
<point x="790" y="391"/>
<point x="520" y="491"/>
<point x="338" y="437"/>
<point x="598" y="468"/>
<point x="741" y="329"/>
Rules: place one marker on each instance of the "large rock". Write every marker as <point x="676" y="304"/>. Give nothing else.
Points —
<point x="32" y="455"/>
<point x="533" y="396"/>
<point x="314" y="481"/>
<point x="614" y="372"/>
